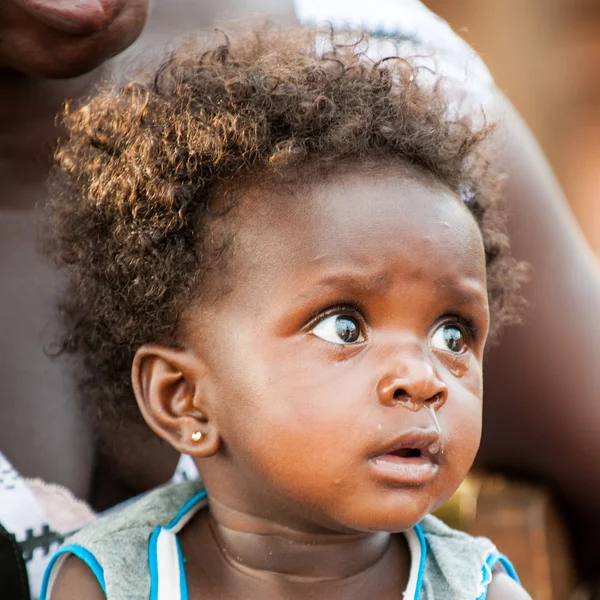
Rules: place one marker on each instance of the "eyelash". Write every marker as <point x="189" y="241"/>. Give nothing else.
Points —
<point x="342" y="308"/>
<point x="465" y="323"/>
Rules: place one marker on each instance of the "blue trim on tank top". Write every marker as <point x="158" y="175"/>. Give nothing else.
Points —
<point x="491" y="561"/>
<point x="153" y="563"/>
<point x="153" y="556"/>
<point x="421" y="536"/>
<point x="186" y="508"/>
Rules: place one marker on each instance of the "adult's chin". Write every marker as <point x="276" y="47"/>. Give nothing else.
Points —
<point x="66" y="38"/>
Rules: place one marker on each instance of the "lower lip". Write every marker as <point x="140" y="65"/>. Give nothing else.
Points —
<point x="77" y="17"/>
<point x="404" y="471"/>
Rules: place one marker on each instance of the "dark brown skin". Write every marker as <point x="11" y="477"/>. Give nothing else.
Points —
<point x="65" y="38"/>
<point x="542" y="382"/>
<point x="53" y="439"/>
<point x="296" y="419"/>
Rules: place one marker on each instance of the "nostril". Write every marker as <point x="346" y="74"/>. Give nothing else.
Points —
<point x="401" y="394"/>
<point x="434" y="399"/>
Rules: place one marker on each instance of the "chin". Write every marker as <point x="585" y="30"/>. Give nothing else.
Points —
<point x="392" y="513"/>
<point x="77" y="64"/>
<point x="43" y="51"/>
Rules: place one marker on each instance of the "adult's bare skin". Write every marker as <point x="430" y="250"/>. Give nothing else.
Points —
<point x="542" y="417"/>
<point x="542" y="382"/>
<point x="42" y="429"/>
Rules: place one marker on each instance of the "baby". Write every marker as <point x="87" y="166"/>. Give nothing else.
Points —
<point x="290" y="254"/>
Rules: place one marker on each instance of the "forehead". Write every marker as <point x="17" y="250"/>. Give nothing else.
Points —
<point x="372" y="219"/>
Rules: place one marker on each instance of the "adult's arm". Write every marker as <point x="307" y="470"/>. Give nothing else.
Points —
<point x="542" y="382"/>
<point x="502" y="587"/>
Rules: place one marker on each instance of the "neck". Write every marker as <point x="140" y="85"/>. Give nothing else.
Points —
<point x="266" y="550"/>
<point x="24" y="94"/>
<point x="28" y="132"/>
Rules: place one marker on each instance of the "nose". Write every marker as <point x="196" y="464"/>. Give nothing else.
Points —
<point x="416" y="386"/>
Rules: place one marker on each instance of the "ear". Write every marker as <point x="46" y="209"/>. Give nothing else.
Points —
<point x="172" y="388"/>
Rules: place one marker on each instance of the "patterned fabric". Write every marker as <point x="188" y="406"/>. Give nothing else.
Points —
<point x="135" y="554"/>
<point x="22" y="516"/>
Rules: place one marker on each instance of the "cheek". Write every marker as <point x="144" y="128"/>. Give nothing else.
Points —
<point x="461" y="421"/>
<point x="464" y="434"/>
<point x="279" y="406"/>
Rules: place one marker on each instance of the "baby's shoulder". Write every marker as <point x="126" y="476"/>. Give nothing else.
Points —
<point x="116" y="547"/>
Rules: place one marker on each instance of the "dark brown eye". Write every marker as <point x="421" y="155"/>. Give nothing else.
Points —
<point x="339" y="329"/>
<point x="449" y="338"/>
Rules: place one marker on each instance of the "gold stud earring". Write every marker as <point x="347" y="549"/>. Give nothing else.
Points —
<point x="197" y="436"/>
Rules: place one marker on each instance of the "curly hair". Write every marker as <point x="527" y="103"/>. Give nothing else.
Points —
<point x="135" y="180"/>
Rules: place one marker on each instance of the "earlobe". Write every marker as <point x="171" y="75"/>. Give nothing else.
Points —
<point x="171" y="388"/>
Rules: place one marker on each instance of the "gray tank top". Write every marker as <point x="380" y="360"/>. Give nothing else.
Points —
<point x="135" y="553"/>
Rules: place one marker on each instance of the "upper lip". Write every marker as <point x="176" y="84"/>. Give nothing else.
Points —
<point x="420" y="439"/>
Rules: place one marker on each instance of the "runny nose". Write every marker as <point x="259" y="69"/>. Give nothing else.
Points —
<point x="419" y="386"/>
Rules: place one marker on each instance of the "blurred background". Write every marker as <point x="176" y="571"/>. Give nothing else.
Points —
<point x="545" y="56"/>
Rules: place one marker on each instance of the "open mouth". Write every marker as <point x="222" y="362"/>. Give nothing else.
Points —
<point x="412" y="458"/>
<point x="405" y="466"/>
<point x="407" y="453"/>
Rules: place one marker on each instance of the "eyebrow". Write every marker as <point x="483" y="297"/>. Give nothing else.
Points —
<point x="377" y="284"/>
<point x="466" y="292"/>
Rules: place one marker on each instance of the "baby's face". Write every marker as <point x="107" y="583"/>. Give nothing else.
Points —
<point x="357" y="311"/>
